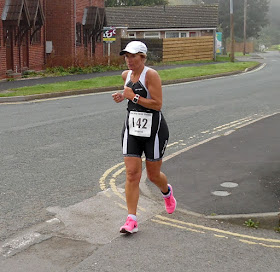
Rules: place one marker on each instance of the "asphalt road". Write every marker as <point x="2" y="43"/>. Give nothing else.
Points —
<point x="59" y="159"/>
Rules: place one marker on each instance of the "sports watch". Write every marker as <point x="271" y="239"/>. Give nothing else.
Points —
<point x="135" y="99"/>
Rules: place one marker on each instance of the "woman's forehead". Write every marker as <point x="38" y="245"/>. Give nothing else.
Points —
<point x="127" y="54"/>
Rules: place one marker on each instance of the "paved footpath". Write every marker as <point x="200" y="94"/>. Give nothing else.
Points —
<point x="238" y="173"/>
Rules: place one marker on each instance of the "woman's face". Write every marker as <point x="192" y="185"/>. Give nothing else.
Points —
<point x="134" y="61"/>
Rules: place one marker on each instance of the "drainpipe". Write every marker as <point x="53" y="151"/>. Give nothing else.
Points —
<point x="19" y="53"/>
<point x="215" y="44"/>
<point x="75" y="26"/>
<point x="45" y="31"/>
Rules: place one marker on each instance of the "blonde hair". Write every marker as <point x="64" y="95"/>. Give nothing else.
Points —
<point x="144" y="56"/>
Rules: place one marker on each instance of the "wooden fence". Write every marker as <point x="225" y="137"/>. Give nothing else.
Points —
<point x="154" y="47"/>
<point x="178" y="49"/>
<point x="197" y="48"/>
<point x="239" y="47"/>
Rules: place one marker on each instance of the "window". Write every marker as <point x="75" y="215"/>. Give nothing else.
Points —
<point x="131" y="35"/>
<point x="152" y="35"/>
<point x="86" y="37"/>
<point x="78" y="34"/>
<point x="192" y="34"/>
<point x="36" y="36"/>
<point x="172" y="35"/>
<point x="98" y="38"/>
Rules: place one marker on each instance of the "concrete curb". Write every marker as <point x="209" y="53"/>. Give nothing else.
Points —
<point x="27" y="98"/>
<point x="266" y="220"/>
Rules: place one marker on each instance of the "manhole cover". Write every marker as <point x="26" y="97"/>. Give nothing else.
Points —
<point x="221" y="193"/>
<point x="229" y="184"/>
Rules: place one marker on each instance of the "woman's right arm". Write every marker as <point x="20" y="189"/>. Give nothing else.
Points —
<point x="118" y="96"/>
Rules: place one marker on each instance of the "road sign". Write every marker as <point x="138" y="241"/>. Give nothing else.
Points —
<point x="109" y="34"/>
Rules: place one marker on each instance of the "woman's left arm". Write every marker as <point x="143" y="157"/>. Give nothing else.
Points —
<point x="153" y="84"/>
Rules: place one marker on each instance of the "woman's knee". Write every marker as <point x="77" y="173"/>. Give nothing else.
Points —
<point x="153" y="175"/>
<point x="133" y="175"/>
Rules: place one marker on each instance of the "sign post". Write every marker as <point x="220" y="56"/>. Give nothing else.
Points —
<point x="109" y="34"/>
<point x="231" y="31"/>
<point x="219" y="45"/>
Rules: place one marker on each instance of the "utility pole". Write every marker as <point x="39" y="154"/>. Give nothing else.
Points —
<point x="231" y="32"/>
<point x="245" y="26"/>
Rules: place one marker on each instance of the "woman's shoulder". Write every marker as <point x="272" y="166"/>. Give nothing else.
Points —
<point x="151" y="72"/>
<point x="124" y="74"/>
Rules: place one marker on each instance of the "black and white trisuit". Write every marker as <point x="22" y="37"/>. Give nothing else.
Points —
<point x="145" y="130"/>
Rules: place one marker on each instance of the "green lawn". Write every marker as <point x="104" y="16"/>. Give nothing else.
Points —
<point x="116" y="81"/>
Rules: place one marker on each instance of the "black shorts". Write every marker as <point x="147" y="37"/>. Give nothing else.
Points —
<point x="153" y="146"/>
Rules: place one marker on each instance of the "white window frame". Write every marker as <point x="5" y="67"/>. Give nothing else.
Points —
<point x="172" y="32"/>
<point x="180" y="34"/>
<point x="154" y="35"/>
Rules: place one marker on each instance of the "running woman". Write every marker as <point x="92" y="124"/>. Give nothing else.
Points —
<point x="145" y="131"/>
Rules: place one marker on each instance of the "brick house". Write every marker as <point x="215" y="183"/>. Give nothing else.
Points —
<point x="21" y="36"/>
<point x="32" y="31"/>
<point x="80" y="41"/>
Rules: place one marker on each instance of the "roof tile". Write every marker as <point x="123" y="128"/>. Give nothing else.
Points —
<point x="154" y="17"/>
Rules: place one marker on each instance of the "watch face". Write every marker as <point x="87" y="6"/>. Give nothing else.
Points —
<point x="135" y="99"/>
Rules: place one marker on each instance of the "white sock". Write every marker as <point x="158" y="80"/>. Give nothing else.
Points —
<point x="133" y="216"/>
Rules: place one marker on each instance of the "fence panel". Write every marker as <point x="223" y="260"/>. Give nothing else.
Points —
<point x="196" y="48"/>
<point x="177" y="49"/>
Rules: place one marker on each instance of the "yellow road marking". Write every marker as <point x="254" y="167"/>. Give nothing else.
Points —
<point x="122" y="206"/>
<point x="112" y="183"/>
<point x="102" y="184"/>
<point x="230" y="126"/>
<point x="218" y="230"/>
<point x="260" y="244"/>
<point x="176" y="226"/>
<point x="248" y="242"/>
<point x="231" y="123"/>
<point x="175" y="143"/>
<point x="115" y="189"/>
<point x="220" y="236"/>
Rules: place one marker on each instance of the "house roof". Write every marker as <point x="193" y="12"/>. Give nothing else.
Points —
<point x="91" y="16"/>
<point x="94" y="19"/>
<point x="157" y="17"/>
<point x="36" y="11"/>
<point x="17" y="10"/>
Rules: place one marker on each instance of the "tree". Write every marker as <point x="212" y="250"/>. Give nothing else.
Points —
<point x="116" y="3"/>
<point x="257" y="16"/>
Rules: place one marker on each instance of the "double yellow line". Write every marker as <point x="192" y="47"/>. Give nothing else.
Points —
<point x="265" y="242"/>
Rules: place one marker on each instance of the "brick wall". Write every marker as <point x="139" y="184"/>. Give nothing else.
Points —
<point x="60" y="26"/>
<point x="2" y="48"/>
<point x="36" y="52"/>
<point x="62" y="17"/>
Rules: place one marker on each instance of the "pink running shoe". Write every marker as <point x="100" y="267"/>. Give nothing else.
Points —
<point x="170" y="202"/>
<point x="130" y="226"/>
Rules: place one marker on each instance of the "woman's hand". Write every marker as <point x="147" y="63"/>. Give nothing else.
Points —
<point x="128" y="93"/>
<point x="118" y="97"/>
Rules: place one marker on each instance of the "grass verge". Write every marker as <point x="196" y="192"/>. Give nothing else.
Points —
<point x="115" y="81"/>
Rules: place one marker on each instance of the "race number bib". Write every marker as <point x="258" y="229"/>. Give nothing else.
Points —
<point x="140" y="123"/>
